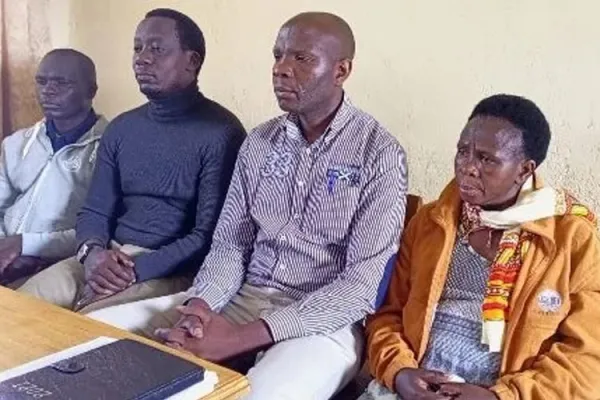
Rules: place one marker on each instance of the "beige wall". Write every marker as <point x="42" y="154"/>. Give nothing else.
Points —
<point x="60" y="17"/>
<point x="421" y="66"/>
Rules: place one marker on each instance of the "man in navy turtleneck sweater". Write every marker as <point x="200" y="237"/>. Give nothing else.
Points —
<point x="162" y="174"/>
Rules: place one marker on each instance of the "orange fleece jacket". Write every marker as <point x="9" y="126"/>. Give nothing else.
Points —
<point x="546" y="355"/>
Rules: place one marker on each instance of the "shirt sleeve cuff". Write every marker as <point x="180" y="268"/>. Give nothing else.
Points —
<point x="32" y="244"/>
<point x="211" y="294"/>
<point x="502" y="392"/>
<point x="92" y="240"/>
<point x="146" y="268"/>
<point x="49" y="245"/>
<point x="285" y="324"/>
<point x="389" y="377"/>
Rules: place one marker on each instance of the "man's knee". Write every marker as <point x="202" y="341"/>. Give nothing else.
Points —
<point x="57" y="284"/>
<point x="306" y="368"/>
<point x="141" y="291"/>
<point x="325" y="380"/>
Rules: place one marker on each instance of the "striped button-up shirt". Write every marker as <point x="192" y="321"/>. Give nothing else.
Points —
<point x="317" y="221"/>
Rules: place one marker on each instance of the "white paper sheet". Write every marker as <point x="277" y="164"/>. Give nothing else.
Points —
<point x="194" y="392"/>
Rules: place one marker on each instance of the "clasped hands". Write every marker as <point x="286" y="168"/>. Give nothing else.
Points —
<point x="420" y="384"/>
<point x="210" y="336"/>
<point x="107" y="272"/>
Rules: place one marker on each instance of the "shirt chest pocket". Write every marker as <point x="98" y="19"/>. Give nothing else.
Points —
<point x="331" y="205"/>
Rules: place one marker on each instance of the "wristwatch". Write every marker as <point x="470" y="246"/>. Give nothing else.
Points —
<point x="85" y="250"/>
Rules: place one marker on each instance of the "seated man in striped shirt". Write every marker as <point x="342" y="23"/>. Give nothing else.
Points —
<point x="310" y="221"/>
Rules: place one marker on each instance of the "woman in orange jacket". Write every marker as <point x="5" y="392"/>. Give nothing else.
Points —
<point x="496" y="290"/>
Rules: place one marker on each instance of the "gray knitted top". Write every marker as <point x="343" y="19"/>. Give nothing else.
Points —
<point x="455" y="342"/>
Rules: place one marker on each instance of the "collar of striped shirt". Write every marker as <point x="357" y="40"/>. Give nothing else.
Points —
<point x="342" y="117"/>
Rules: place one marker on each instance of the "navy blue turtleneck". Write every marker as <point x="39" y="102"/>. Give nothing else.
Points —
<point x="162" y="173"/>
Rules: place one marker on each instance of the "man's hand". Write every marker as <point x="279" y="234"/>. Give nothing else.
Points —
<point x="190" y="322"/>
<point x="464" y="391"/>
<point x="22" y="267"/>
<point x="420" y="384"/>
<point x="108" y="271"/>
<point x="220" y="340"/>
<point x="10" y="248"/>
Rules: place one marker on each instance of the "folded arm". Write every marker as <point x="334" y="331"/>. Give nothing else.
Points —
<point x="387" y="350"/>
<point x="96" y="218"/>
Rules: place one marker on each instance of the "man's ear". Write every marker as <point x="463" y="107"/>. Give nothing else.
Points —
<point x="527" y="169"/>
<point x="342" y="71"/>
<point x="92" y="90"/>
<point x="194" y="61"/>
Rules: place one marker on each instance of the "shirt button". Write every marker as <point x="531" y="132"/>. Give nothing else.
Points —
<point x="308" y="151"/>
<point x="283" y="238"/>
<point x="282" y="266"/>
<point x="296" y="216"/>
<point x="300" y="183"/>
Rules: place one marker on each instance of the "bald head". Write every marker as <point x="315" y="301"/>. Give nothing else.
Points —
<point x="66" y="84"/>
<point x="312" y="56"/>
<point x="327" y="25"/>
<point x="76" y="60"/>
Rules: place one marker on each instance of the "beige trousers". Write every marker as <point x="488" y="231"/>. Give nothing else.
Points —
<point x="306" y="368"/>
<point x="61" y="283"/>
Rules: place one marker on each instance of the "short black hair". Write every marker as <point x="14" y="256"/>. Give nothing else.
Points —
<point x="525" y="115"/>
<point x="189" y="33"/>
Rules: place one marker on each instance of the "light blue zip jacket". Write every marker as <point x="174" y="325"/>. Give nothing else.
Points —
<point x="41" y="192"/>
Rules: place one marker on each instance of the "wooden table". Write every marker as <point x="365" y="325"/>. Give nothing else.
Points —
<point x="30" y="329"/>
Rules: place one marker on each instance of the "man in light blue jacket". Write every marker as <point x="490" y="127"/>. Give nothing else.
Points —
<point x="45" y="170"/>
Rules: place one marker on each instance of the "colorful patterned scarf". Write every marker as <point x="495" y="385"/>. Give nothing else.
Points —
<point x="531" y="205"/>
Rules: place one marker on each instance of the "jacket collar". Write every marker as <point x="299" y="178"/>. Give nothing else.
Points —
<point x="38" y="132"/>
<point x="93" y="134"/>
<point x="97" y="130"/>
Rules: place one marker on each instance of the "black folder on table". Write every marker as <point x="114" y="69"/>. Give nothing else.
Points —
<point x="122" y="370"/>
